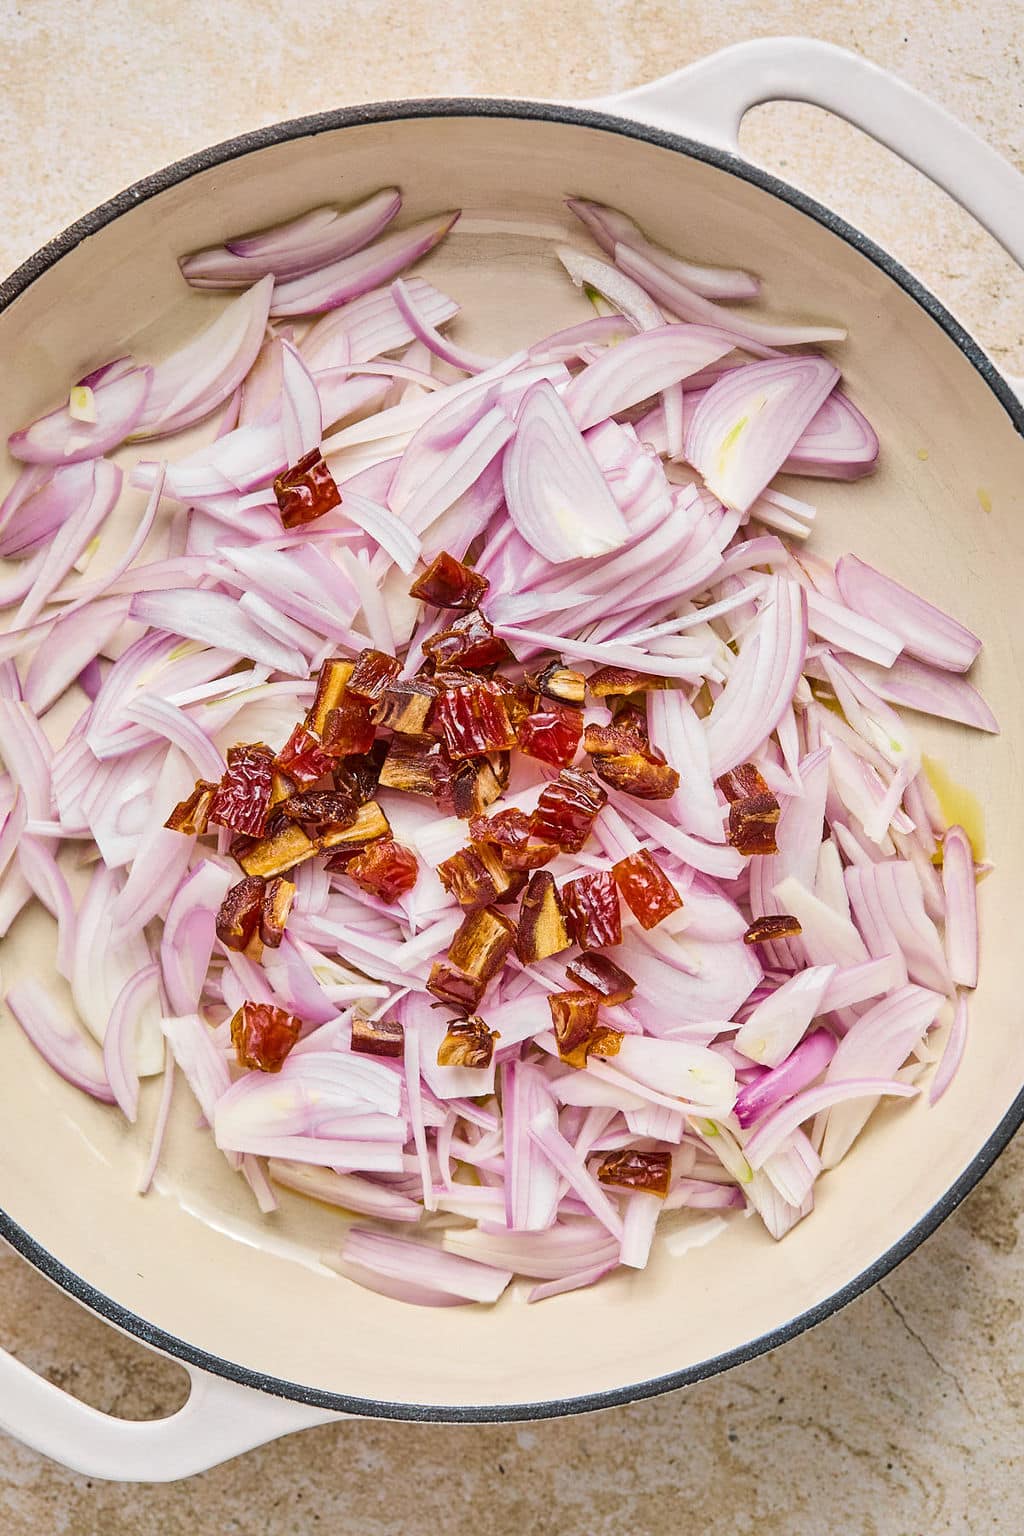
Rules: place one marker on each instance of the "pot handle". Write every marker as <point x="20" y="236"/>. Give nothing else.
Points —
<point x="220" y="1419"/>
<point x="708" y="100"/>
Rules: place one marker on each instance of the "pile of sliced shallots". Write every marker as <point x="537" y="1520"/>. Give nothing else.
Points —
<point x="507" y="835"/>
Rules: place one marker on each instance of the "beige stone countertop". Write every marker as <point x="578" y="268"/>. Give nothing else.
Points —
<point x="901" y="1416"/>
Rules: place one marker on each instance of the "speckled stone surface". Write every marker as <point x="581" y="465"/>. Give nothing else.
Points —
<point x="904" y="1415"/>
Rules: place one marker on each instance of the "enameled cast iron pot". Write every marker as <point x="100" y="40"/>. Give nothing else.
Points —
<point x="273" y="1342"/>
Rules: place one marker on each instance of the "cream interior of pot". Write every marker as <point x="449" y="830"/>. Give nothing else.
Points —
<point x="944" y="513"/>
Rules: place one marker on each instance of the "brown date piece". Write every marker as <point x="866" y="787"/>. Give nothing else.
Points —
<point x="752" y="824"/>
<point x="741" y="782"/>
<point x="578" y="1030"/>
<point x="467" y="1043"/>
<point x="306" y="491"/>
<point x="372" y="675"/>
<point x="773" y="926"/>
<point x="242" y="798"/>
<point x="238" y="917"/>
<point x="263" y="1036"/>
<point x="453" y="986"/>
<point x="608" y="680"/>
<point x="277" y="904"/>
<point x="386" y="869"/>
<point x="594" y="973"/>
<point x="192" y="814"/>
<point x="475" y="876"/>
<point x="330" y="686"/>
<point x="505" y="829"/>
<point x="476" y="782"/>
<point x="407" y="705"/>
<point x="563" y="684"/>
<point x="280" y="850"/>
<point x="592" y="907"/>
<point x="448" y="583"/>
<point x="358" y="774"/>
<point x="378" y="1037"/>
<point x="551" y="734"/>
<point x="613" y="740"/>
<point x="542" y="930"/>
<point x="474" y="719"/>
<point x="648" y="1172"/>
<point x="416" y="766"/>
<point x="318" y="809"/>
<point x="634" y="773"/>
<point x="567" y="809"/>
<point x="349" y="728"/>
<point x="466" y="877"/>
<point x="510" y="832"/>
<point x="476" y="954"/>
<point x="302" y="758"/>
<point x="646" y="889"/>
<point x="469" y="643"/>
<point x="370" y="824"/>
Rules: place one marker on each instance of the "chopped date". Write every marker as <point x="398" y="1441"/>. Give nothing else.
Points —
<point x="368" y="826"/>
<point x="594" y="973"/>
<point x="330" y="686"/>
<point x="608" y="680"/>
<point x="773" y="926"/>
<point x="417" y="765"/>
<point x="470" y="643"/>
<point x="505" y="829"/>
<point x="578" y="1028"/>
<point x="510" y="831"/>
<point x="358" y="774"/>
<point x="476" y="782"/>
<point x="239" y="914"/>
<point x="630" y="715"/>
<point x="386" y="869"/>
<point x="551" y="734"/>
<point x="481" y="943"/>
<point x="474" y="720"/>
<point x="635" y="773"/>
<point x="349" y="727"/>
<point x="448" y="583"/>
<point x="407" y="705"/>
<point x="610" y="740"/>
<point x="319" y="809"/>
<point x="242" y="799"/>
<point x="649" y="1172"/>
<point x="277" y="904"/>
<point x="306" y="491"/>
<point x="280" y="788"/>
<point x="450" y="984"/>
<point x="263" y="1036"/>
<point x="592" y="907"/>
<point x="646" y="889"/>
<point x="741" y="782"/>
<point x="378" y="1037"/>
<point x="302" y="758"/>
<point x="752" y="824"/>
<point x="542" y="929"/>
<point x="272" y="855"/>
<point x="517" y="881"/>
<point x="192" y="814"/>
<point x="467" y="1043"/>
<point x="467" y="877"/>
<point x="533" y="856"/>
<point x="520" y="700"/>
<point x="372" y="675"/>
<point x="567" y="809"/>
<point x="558" y="682"/>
